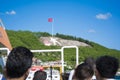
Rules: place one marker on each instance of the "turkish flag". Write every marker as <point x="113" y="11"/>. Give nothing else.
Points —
<point x="50" y="19"/>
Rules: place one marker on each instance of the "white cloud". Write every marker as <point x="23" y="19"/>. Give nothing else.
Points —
<point x="91" y="31"/>
<point x="11" y="12"/>
<point x="103" y="16"/>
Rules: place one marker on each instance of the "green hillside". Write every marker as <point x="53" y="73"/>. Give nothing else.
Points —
<point x="31" y="40"/>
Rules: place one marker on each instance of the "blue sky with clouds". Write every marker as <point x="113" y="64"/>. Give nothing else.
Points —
<point x="94" y="20"/>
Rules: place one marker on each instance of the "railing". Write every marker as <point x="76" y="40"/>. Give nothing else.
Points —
<point x="62" y="54"/>
<point x="6" y="50"/>
<point x="54" y="50"/>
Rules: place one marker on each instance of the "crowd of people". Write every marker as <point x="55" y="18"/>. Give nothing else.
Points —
<point x="104" y="68"/>
<point x="19" y="62"/>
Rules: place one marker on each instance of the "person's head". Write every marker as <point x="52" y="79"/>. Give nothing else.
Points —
<point x="106" y="67"/>
<point x="83" y="71"/>
<point x="90" y="61"/>
<point x="40" y="75"/>
<point x="18" y="62"/>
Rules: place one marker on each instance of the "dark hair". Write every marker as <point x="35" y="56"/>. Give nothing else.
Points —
<point x="90" y="61"/>
<point x="83" y="71"/>
<point x="40" y="75"/>
<point x="107" y="66"/>
<point x="18" y="62"/>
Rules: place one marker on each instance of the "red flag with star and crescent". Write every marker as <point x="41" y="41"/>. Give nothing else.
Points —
<point x="50" y="19"/>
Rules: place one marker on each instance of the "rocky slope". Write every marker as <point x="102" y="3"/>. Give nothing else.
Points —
<point x="60" y="42"/>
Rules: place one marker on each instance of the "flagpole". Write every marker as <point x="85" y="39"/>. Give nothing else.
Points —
<point x="52" y="28"/>
<point x="51" y="21"/>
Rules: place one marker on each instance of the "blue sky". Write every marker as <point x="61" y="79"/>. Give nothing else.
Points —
<point x="94" y="20"/>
